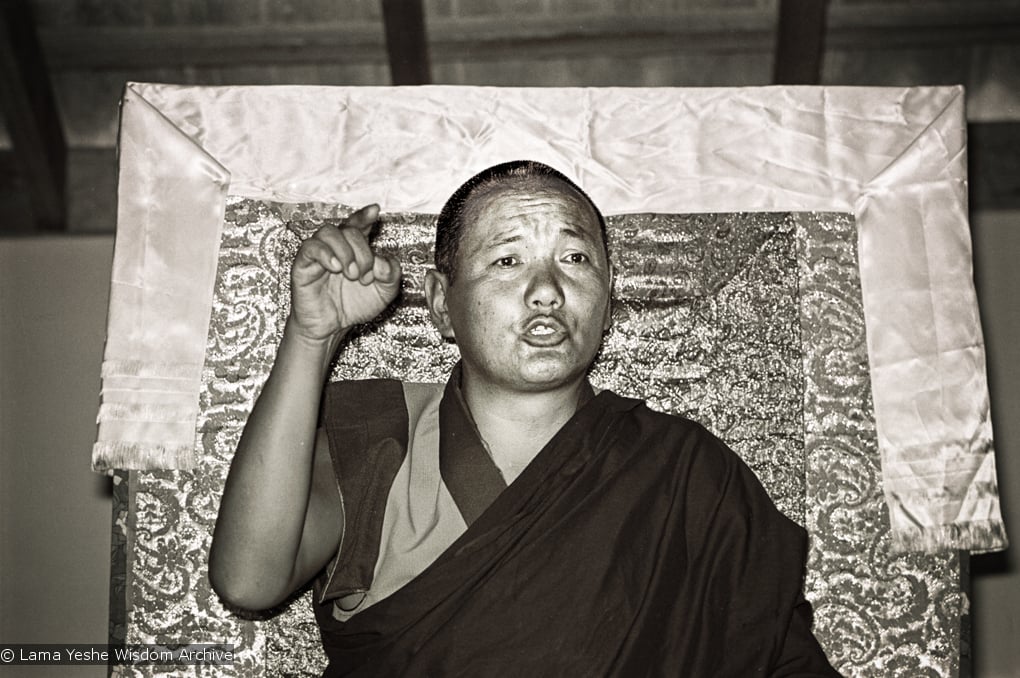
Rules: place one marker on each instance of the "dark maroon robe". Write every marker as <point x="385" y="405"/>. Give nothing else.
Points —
<point x="635" y="544"/>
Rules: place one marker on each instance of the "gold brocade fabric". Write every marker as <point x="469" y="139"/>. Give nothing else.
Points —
<point x="750" y="323"/>
<point x="893" y="157"/>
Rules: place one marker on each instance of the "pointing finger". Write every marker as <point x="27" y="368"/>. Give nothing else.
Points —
<point x="364" y="218"/>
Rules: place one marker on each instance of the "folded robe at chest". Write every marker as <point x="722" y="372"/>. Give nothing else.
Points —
<point x="635" y="543"/>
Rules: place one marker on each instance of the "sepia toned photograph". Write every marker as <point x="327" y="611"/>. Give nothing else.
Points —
<point x="546" y="337"/>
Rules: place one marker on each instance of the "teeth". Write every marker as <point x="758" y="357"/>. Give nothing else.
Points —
<point x="542" y="329"/>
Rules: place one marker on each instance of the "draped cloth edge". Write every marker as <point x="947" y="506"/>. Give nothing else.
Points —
<point x="895" y="157"/>
<point x="171" y="201"/>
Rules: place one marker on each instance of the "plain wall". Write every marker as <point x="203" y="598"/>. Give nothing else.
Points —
<point x="996" y="577"/>
<point x="55" y="513"/>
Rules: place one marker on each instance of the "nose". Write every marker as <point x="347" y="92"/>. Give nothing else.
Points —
<point x="544" y="287"/>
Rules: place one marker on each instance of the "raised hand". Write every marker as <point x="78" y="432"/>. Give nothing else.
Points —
<point x="338" y="281"/>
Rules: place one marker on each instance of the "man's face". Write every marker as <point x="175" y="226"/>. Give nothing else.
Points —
<point x="530" y="297"/>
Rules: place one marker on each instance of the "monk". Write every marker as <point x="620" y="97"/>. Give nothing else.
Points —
<point x="515" y="521"/>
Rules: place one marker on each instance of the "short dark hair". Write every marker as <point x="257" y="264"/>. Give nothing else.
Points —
<point x="451" y="221"/>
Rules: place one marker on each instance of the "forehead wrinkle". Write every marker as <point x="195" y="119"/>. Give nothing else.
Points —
<point x="513" y="233"/>
<point x="571" y="207"/>
<point x="530" y="209"/>
<point x="511" y="236"/>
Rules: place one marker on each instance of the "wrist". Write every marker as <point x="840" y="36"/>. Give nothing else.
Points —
<point x="320" y="348"/>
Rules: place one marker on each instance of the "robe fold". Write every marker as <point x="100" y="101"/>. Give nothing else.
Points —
<point x="634" y="544"/>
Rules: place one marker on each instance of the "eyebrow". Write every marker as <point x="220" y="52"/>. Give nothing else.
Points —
<point x="579" y="234"/>
<point x="503" y="238"/>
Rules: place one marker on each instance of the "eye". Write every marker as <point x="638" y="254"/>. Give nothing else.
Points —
<point x="577" y="258"/>
<point x="506" y="262"/>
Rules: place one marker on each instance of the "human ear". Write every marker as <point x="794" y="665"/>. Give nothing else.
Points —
<point x="436" y="285"/>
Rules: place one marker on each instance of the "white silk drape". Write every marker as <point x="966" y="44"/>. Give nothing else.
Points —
<point x="893" y="157"/>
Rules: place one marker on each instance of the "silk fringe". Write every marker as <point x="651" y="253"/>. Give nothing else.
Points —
<point x="985" y="536"/>
<point x="141" y="456"/>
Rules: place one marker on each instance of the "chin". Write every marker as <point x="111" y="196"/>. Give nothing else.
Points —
<point x="543" y="376"/>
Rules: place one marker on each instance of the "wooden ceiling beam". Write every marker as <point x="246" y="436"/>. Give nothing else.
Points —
<point x="406" y="42"/>
<point x="29" y="108"/>
<point x="69" y="48"/>
<point x="481" y="38"/>
<point x="800" y="42"/>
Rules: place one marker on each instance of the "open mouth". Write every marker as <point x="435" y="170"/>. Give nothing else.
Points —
<point x="544" y="331"/>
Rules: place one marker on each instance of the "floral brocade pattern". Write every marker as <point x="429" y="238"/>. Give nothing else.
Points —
<point x="748" y="323"/>
<point x="876" y="613"/>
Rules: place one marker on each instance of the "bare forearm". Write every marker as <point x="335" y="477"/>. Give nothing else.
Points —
<point x="262" y="514"/>
<point x="276" y="527"/>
